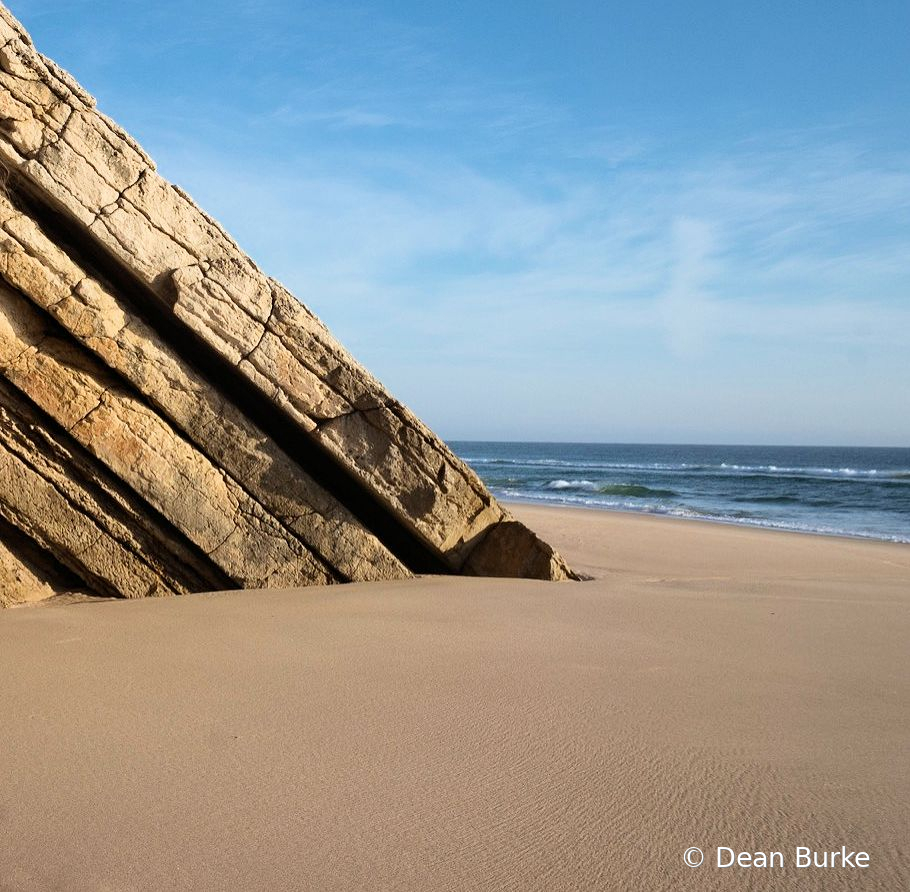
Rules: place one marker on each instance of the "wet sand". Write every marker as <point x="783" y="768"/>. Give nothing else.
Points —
<point x="713" y="686"/>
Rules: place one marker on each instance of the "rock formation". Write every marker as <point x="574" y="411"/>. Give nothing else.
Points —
<point x="171" y="419"/>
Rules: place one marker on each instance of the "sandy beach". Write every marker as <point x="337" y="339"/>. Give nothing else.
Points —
<point x="711" y="686"/>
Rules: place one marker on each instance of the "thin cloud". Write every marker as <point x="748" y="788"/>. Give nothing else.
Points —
<point x="432" y="232"/>
<point x="430" y="214"/>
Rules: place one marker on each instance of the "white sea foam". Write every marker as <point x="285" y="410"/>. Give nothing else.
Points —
<point x="572" y="484"/>
<point x="682" y="511"/>
<point x="802" y="470"/>
<point x="833" y="491"/>
<point x="689" y="467"/>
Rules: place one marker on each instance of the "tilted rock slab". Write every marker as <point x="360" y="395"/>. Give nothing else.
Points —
<point x="173" y="420"/>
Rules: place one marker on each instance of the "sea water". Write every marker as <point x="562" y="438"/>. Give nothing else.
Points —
<point x="863" y="492"/>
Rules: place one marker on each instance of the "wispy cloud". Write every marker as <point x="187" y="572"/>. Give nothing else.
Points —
<point x="431" y="268"/>
<point x="467" y="226"/>
<point x="688" y="311"/>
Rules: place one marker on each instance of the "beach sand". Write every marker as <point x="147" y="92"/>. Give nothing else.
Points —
<point x="713" y="686"/>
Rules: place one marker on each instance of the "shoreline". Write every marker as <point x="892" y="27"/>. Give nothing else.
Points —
<point x="513" y="502"/>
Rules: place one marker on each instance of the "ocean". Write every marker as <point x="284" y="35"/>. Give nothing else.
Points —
<point x="860" y="492"/>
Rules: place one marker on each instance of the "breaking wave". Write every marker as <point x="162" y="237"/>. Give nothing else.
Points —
<point x="838" y="491"/>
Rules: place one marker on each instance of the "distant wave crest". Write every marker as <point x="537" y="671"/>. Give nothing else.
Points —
<point x="845" y="491"/>
<point x="633" y="490"/>
<point x="720" y="468"/>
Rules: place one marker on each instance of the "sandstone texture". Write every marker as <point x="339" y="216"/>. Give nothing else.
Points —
<point x="173" y="420"/>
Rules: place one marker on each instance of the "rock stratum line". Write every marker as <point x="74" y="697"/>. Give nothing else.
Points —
<point x="173" y="420"/>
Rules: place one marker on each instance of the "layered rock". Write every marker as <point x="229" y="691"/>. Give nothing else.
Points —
<point x="192" y="424"/>
<point x="27" y="573"/>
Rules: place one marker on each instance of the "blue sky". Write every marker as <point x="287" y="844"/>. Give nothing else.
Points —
<point x="638" y="222"/>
